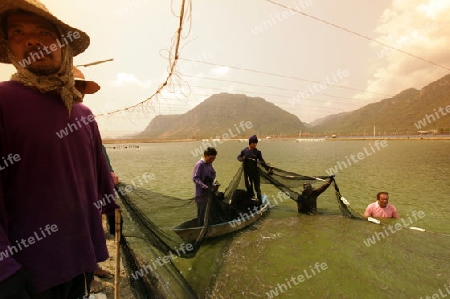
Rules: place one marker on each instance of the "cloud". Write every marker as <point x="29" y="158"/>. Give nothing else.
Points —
<point x="417" y="28"/>
<point x="434" y="8"/>
<point x="220" y="71"/>
<point x="124" y="79"/>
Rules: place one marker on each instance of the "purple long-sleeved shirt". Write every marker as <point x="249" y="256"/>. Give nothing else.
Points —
<point x="201" y="171"/>
<point x="49" y="224"/>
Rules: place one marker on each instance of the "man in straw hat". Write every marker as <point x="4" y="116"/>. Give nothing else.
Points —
<point x="90" y="87"/>
<point x="82" y="85"/>
<point x="52" y="171"/>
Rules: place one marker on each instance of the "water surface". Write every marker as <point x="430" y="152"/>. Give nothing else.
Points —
<point x="267" y="259"/>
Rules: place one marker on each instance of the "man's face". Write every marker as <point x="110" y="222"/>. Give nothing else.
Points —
<point x="33" y="41"/>
<point x="252" y="145"/>
<point x="210" y="159"/>
<point x="383" y="201"/>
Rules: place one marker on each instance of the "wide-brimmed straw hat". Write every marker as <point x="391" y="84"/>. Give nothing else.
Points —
<point x="83" y="85"/>
<point x="78" y="45"/>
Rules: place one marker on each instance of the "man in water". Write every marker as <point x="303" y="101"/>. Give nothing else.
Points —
<point x="381" y="208"/>
<point x="307" y="201"/>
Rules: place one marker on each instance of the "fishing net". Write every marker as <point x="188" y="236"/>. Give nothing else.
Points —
<point x="150" y="246"/>
<point x="289" y="182"/>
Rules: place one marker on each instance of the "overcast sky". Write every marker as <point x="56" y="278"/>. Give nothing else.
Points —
<point x="258" y="48"/>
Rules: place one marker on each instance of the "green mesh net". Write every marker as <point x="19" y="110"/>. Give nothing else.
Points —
<point x="149" y="247"/>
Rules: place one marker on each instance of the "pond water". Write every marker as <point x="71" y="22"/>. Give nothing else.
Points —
<point x="287" y="255"/>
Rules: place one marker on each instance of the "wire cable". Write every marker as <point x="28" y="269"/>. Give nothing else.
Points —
<point x="358" y="34"/>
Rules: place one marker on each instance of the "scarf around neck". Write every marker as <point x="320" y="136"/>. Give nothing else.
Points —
<point x="62" y="82"/>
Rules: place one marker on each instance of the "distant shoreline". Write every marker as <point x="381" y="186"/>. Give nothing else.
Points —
<point x="312" y="139"/>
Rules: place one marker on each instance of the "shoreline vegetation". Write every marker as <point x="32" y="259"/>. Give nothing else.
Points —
<point x="244" y="139"/>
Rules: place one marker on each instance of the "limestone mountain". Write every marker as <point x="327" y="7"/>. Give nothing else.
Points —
<point x="222" y="114"/>
<point x="410" y="111"/>
<point x="328" y="118"/>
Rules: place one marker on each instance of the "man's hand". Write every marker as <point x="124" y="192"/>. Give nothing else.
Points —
<point x="114" y="178"/>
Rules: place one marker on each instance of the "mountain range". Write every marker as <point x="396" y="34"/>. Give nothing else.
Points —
<point x="236" y="115"/>
<point x="410" y="111"/>
<point x="239" y="116"/>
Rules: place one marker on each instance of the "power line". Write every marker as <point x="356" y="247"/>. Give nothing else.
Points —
<point x="180" y="107"/>
<point x="284" y="76"/>
<point x="358" y="34"/>
<point x="266" y="86"/>
<point x="233" y="81"/>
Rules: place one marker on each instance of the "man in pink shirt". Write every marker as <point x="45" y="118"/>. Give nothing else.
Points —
<point x="381" y="208"/>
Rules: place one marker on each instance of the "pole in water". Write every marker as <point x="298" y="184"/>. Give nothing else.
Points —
<point x="319" y="179"/>
<point x="373" y="220"/>
<point x="117" y="239"/>
<point x="417" y="228"/>
<point x="424" y="230"/>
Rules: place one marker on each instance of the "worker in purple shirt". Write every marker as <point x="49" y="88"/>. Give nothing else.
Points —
<point x="251" y="156"/>
<point x="203" y="176"/>
<point x="51" y="235"/>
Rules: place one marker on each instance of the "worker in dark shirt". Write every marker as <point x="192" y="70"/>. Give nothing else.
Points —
<point x="307" y="201"/>
<point x="251" y="156"/>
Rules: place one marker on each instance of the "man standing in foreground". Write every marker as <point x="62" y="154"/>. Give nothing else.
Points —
<point x="251" y="156"/>
<point x="51" y="235"/>
<point x="90" y="87"/>
<point x="381" y="208"/>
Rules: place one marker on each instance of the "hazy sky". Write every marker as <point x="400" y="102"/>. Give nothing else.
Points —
<point x="258" y="48"/>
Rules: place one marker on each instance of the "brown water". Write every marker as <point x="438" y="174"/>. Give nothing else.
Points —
<point x="280" y="256"/>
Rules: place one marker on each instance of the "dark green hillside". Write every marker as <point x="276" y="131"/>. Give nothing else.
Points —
<point x="404" y="113"/>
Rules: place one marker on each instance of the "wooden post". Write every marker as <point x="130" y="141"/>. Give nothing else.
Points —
<point x="117" y="272"/>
